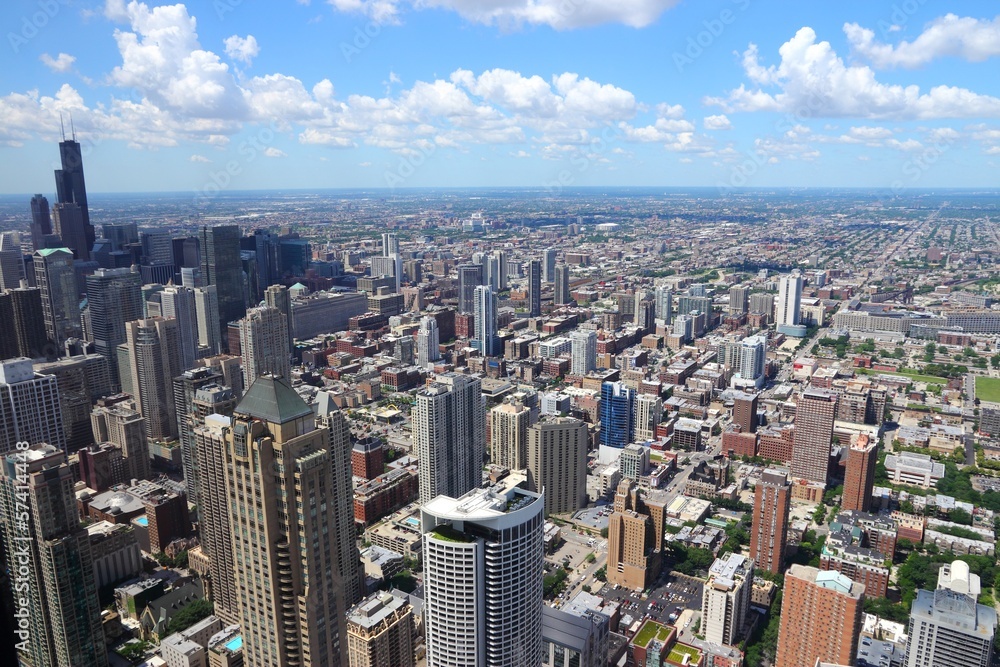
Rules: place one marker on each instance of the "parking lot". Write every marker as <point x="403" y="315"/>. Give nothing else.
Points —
<point x="594" y="517"/>
<point x="670" y="594"/>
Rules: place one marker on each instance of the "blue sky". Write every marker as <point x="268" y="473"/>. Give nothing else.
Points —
<point x="248" y="94"/>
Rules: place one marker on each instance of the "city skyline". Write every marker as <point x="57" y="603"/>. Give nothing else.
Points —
<point x="740" y="94"/>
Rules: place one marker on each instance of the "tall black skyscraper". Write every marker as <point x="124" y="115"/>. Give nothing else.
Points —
<point x="470" y="276"/>
<point x="534" y="288"/>
<point x="41" y="221"/>
<point x="221" y="266"/>
<point x="70" y="186"/>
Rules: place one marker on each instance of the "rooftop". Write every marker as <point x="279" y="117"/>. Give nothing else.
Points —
<point x="272" y="400"/>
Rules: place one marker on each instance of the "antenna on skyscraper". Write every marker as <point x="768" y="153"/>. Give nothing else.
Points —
<point x="72" y="129"/>
<point x="62" y="127"/>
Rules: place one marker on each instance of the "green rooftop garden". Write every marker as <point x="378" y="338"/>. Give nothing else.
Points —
<point x="648" y="631"/>
<point x="446" y="533"/>
<point x="679" y="651"/>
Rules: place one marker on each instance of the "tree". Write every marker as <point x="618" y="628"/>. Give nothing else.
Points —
<point x="189" y="615"/>
<point x="604" y="532"/>
<point x="134" y="652"/>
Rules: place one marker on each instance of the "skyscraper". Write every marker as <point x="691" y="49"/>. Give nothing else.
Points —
<point x="725" y="599"/>
<point x="59" y="616"/>
<point x="29" y="407"/>
<point x="557" y="463"/>
<point x="664" y="303"/>
<point x="185" y="388"/>
<point x="486" y="339"/>
<point x="648" y="413"/>
<point x="150" y="357"/>
<point x="483" y="570"/>
<point x="617" y="418"/>
<point x="11" y="268"/>
<point x="534" y="288"/>
<point x="821" y="616"/>
<point x="470" y="276"/>
<point x="427" y="342"/>
<point x="814" y="416"/>
<point x="70" y="227"/>
<point x="745" y="412"/>
<point x="789" y="299"/>
<point x="41" y="221"/>
<point x="583" y="351"/>
<point x="71" y="188"/>
<point x="561" y="296"/>
<point x="206" y="307"/>
<point x="380" y="632"/>
<point x="390" y="251"/>
<point x="739" y="299"/>
<point x="264" y="344"/>
<point x="126" y="428"/>
<point x="23" y="322"/>
<point x="221" y="266"/>
<point x="769" y="530"/>
<point x="509" y="435"/>
<point x="549" y="265"/>
<point x="280" y="482"/>
<point x="54" y="275"/>
<point x="635" y="537"/>
<point x="179" y="303"/>
<point x="449" y="435"/>
<point x="947" y="626"/>
<point x="277" y="297"/>
<point x="114" y="297"/>
<point x="859" y="477"/>
<point x="750" y="367"/>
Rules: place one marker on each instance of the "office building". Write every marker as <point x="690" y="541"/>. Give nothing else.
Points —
<point x="947" y="627"/>
<point x="571" y="636"/>
<point x="557" y="463"/>
<point x="428" y="343"/>
<point x="617" y="417"/>
<point x="549" y="265"/>
<point x="280" y="484"/>
<point x="179" y="303"/>
<point x="264" y="344"/>
<point x="769" y="529"/>
<point x="485" y="338"/>
<point x="380" y="632"/>
<point x="470" y="276"/>
<point x="483" y="570"/>
<point x="150" y="358"/>
<point x="534" y="288"/>
<point x="635" y="537"/>
<point x="789" y="303"/>
<point x="561" y="295"/>
<point x="725" y="599"/>
<point x="815" y="413"/>
<point x="449" y="435"/>
<point x="648" y="413"/>
<point x="41" y="222"/>
<point x="22" y="324"/>
<point x="11" y="268"/>
<point x="584" y="351"/>
<point x="55" y="276"/>
<point x="126" y="429"/>
<point x="277" y="297"/>
<point x="509" y="435"/>
<point x="114" y="297"/>
<point x="821" y="614"/>
<point x="745" y="412"/>
<point x="29" y="407"/>
<point x="859" y="478"/>
<point x="69" y="227"/>
<point x="70" y="185"/>
<point x="59" y="616"/>
<point x="221" y="267"/>
<point x="206" y="308"/>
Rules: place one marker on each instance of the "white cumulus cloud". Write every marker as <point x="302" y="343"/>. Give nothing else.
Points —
<point x="718" y="122"/>
<point x="243" y="49"/>
<point x="61" y="63"/>
<point x="965" y="37"/>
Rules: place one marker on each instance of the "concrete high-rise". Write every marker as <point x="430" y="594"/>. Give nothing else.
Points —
<point x="859" y="478"/>
<point x="206" y="307"/>
<point x="648" y="413"/>
<point x="428" y="343"/>
<point x="485" y="313"/>
<point x="583" y="351"/>
<point x="635" y="537"/>
<point x="725" y="599"/>
<point x="281" y="512"/>
<point x="449" y="435"/>
<point x="821" y="615"/>
<point x="769" y="529"/>
<point x="277" y="297"/>
<point x="264" y="344"/>
<point x="664" y="297"/>
<point x="150" y="357"/>
<point x="55" y="276"/>
<point x="750" y="366"/>
<point x="380" y="632"/>
<point x="221" y="266"/>
<point x="549" y="265"/>
<point x="534" y="288"/>
<point x="114" y="297"/>
<point x="789" y="301"/>
<point x="739" y="299"/>
<point x="557" y="463"/>
<point x="470" y="276"/>
<point x="509" y="435"/>
<point x="815" y="413"/>
<point x="179" y="303"/>
<point x="745" y="412"/>
<point x="186" y="386"/>
<point x="561" y="295"/>
<point x="52" y="570"/>
<point x="29" y="407"/>
<point x="126" y="428"/>
<point x="483" y="571"/>
<point x="947" y="627"/>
